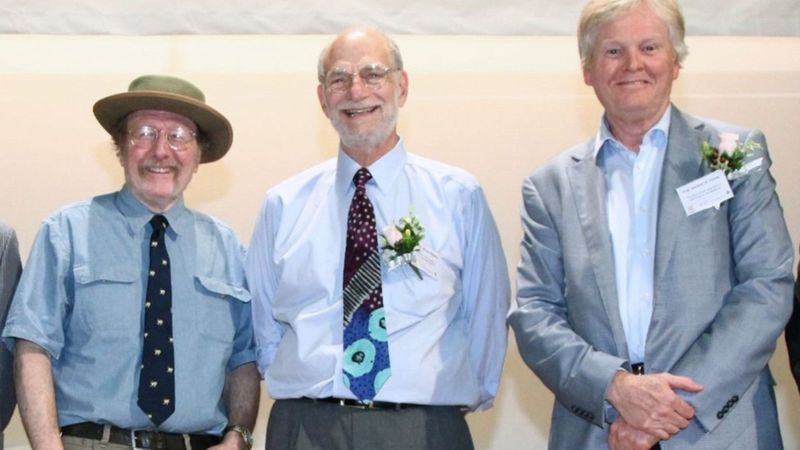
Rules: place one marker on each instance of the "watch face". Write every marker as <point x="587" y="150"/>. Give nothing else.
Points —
<point x="246" y="434"/>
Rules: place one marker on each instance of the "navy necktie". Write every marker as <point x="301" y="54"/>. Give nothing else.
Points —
<point x="366" y="351"/>
<point x="157" y="373"/>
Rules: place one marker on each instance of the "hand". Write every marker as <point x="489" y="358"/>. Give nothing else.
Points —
<point x="623" y="436"/>
<point x="231" y="441"/>
<point x="649" y="402"/>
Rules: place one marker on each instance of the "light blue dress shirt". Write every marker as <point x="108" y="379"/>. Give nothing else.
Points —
<point x="81" y="296"/>
<point x="447" y="334"/>
<point x="632" y="183"/>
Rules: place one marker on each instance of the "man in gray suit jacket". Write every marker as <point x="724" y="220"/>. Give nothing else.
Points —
<point x="656" y="269"/>
<point x="792" y="334"/>
<point x="10" y="269"/>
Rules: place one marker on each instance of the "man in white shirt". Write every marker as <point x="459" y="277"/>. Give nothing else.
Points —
<point x="426" y="274"/>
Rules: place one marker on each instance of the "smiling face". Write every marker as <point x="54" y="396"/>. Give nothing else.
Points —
<point x="632" y="67"/>
<point x="365" y="117"/>
<point x="156" y="174"/>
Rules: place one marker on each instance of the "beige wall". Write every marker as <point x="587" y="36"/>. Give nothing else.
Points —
<point x="497" y="106"/>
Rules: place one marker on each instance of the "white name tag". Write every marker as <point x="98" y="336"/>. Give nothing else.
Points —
<point x="706" y="192"/>
<point x="427" y="261"/>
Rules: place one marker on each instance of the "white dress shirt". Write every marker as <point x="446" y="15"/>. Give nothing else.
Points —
<point x="447" y="334"/>
<point x="632" y="184"/>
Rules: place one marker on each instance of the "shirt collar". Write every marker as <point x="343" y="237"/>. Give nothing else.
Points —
<point x="384" y="171"/>
<point x="655" y="136"/>
<point x="137" y="216"/>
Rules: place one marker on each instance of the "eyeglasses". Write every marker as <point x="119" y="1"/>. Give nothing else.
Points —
<point x="372" y="75"/>
<point x="178" y="138"/>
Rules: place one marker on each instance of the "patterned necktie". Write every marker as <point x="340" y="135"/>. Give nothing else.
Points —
<point x="157" y="377"/>
<point x="366" y="351"/>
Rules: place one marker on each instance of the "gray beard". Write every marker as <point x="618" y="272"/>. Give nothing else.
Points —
<point x="368" y="141"/>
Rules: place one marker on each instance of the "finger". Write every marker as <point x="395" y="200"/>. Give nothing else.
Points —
<point x="683" y="383"/>
<point x="660" y="433"/>
<point x="682" y="408"/>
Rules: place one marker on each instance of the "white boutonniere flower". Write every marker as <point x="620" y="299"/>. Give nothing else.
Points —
<point x="401" y="240"/>
<point x="730" y="155"/>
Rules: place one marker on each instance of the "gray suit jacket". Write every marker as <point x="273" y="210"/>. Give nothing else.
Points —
<point x="10" y="269"/>
<point x="792" y="334"/>
<point x="722" y="295"/>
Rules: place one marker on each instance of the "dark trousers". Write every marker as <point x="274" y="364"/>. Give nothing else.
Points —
<point x="305" y="425"/>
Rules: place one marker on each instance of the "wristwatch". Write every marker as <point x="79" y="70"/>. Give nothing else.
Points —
<point x="247" y="435"/>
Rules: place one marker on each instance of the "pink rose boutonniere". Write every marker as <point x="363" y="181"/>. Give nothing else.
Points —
<point x="730" y="155"/>
<point x="400" y="241"/>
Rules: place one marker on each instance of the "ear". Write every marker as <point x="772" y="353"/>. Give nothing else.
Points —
<point x="401" y="99"/>
<point x="587" y="76"/>
<point x="323" y="102"/>
<point x="120" y="153"/>
<point x="676" y="70"/>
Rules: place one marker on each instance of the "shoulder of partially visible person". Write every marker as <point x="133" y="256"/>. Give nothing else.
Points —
<point x="6" y="233"/>
<point x="8" y="239"/>
<point x="9" y="256"/>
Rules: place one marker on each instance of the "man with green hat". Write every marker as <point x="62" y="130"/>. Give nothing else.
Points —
<point x="132" y="326"/>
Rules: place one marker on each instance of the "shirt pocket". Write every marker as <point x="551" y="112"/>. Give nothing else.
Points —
<point x="107" y="298"/>
<point x="218" y="307"/>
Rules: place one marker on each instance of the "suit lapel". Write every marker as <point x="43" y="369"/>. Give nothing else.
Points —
<point x="588" y="185"/>
<point x="682" y="164"/>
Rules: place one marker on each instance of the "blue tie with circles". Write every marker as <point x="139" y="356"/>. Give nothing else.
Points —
<point x="157" y="372"/>
<point x="366" y="349"/>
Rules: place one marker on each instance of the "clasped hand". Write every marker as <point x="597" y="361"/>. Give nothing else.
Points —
<point x="649" y="408"/>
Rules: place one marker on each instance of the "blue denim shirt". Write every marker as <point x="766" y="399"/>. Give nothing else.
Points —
<point x="81" y="299"/>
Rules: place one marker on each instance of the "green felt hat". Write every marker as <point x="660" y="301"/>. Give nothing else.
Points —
<point x="165" y="93"/>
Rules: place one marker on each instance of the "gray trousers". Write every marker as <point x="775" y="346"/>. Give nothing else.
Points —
<point x="305" y="425"/>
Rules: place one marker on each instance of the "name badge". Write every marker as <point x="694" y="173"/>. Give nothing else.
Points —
<point x="427" y="260"/>
<point x="705" y="192"/>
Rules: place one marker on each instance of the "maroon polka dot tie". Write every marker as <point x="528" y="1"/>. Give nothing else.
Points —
<point x="366" y="350"/>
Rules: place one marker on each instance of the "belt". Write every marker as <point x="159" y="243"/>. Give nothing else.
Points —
<point x="140" y="438"/>
<point x="350" y="403"/>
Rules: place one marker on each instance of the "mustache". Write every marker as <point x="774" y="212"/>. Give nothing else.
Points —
<point x="358" y="105"/>
<point x="158" y="165"/>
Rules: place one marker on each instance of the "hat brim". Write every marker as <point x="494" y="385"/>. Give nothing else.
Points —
<point x="111" y="110"/>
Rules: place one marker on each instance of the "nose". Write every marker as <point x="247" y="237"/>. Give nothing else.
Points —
<point x="357" y="87"/>
<point x="161" y="147"/>
<point x="634" y="61"/>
